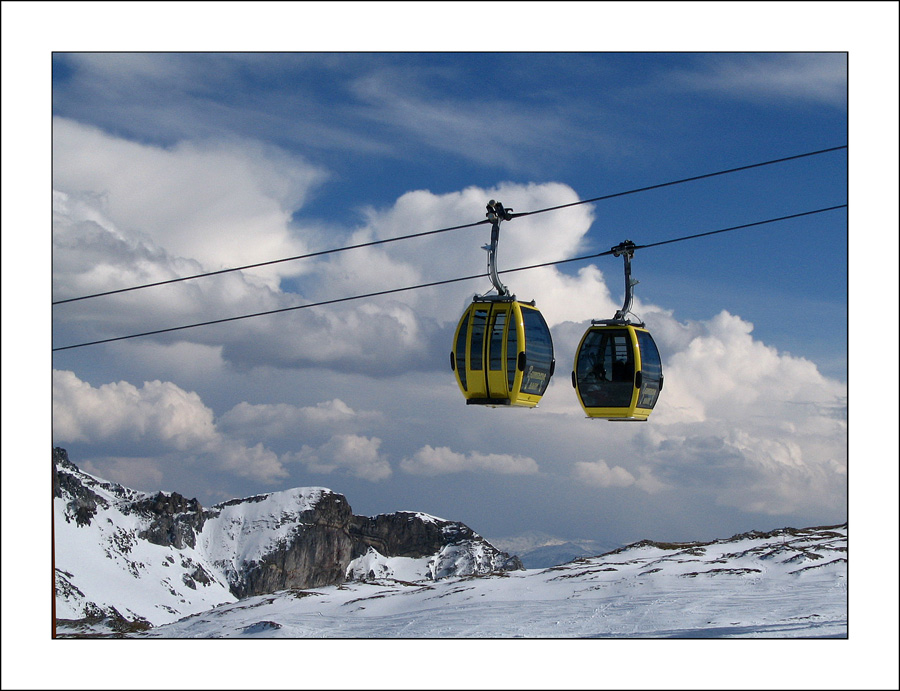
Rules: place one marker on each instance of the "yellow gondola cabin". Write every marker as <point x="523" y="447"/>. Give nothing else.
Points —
<point x="618" y="372"/>
<point x="502" y="354"/>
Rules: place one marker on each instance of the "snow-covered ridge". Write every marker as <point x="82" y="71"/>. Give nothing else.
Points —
<point x="787" y="583"/>
<point x="786" y="551"/>
<point x="425" y="517"/>
<point x="461" y="559"/>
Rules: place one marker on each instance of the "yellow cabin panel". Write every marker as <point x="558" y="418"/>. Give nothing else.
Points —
<point x="491" y="351"/>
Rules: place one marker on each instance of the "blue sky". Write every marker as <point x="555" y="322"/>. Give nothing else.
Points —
<point x="377" y="126"/>
<point x="169" y="164"/>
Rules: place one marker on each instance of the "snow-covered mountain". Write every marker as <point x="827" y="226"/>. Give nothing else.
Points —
<point x="298" y="563"/>
<point x="784" y="584"/>
<point x="126" y="561"/>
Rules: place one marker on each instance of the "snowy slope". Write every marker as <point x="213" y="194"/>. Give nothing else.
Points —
<point x="788" y="583"/>
<point x="104" y="570"/>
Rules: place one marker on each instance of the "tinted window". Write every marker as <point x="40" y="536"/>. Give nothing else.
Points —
<point x="477" y="348"/>
<point x="538" y="353"/>
<point x="650" y="361"/>
<point x="605" y="369"/>
<point x="495" y="357"/>
<point x="461" y="350"/>
<point x="651" y="368"/>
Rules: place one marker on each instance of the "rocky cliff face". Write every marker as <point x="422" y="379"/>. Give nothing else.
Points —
<point x="295" y="539"/>
<point x="407" y="534"/>
<point x="454" y="548"/>
<point x="134" y="556"/>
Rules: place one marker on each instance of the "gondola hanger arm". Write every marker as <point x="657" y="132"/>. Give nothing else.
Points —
<point x="625" y="250"/>
<point x="496" y="213"/>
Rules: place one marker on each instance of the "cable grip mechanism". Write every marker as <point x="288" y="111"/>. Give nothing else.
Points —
<point x="496" y="213"/>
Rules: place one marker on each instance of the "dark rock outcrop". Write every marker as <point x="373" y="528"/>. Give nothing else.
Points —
<point x="175" y="521"/>
<point x="83" y="501"/>
<point x="407" y="534"/>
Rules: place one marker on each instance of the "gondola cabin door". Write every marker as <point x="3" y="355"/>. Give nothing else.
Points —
<point x="503" y="354"/>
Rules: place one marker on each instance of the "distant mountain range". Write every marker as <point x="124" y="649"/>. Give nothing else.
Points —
<point x="298" y="563"/>
<point x="539" y="550"/>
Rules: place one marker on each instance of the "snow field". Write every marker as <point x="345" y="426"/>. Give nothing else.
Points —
<point x="732" y="589"/>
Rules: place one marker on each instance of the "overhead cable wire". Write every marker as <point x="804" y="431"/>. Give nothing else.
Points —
<point x="384" y="241"/>
<point x="678" y="182"/>
<point x="445" y="281"/>
<point x="320" y="253"/>
<point x="745" y="225"/>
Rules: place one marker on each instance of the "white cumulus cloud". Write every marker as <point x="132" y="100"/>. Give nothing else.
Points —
<point x="354" y="454"/>
<point x="287" y="421"/>
<point x="725" y="373"/>
<point x="129" y="213"/>
<point x="155" y="417"/>
<point x="523" y="242"/>
<point x="759" y="429"/>
<point x="157" y="411"/>
<point x="442" y="460"/>
<point x="598" y="473"/>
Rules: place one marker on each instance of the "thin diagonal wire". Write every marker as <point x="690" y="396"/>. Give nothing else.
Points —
<point x="678" y="182"/>
<point x="443" y="282"/>
<point x="444" y="230"/>
<point x="273" y="261"/>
